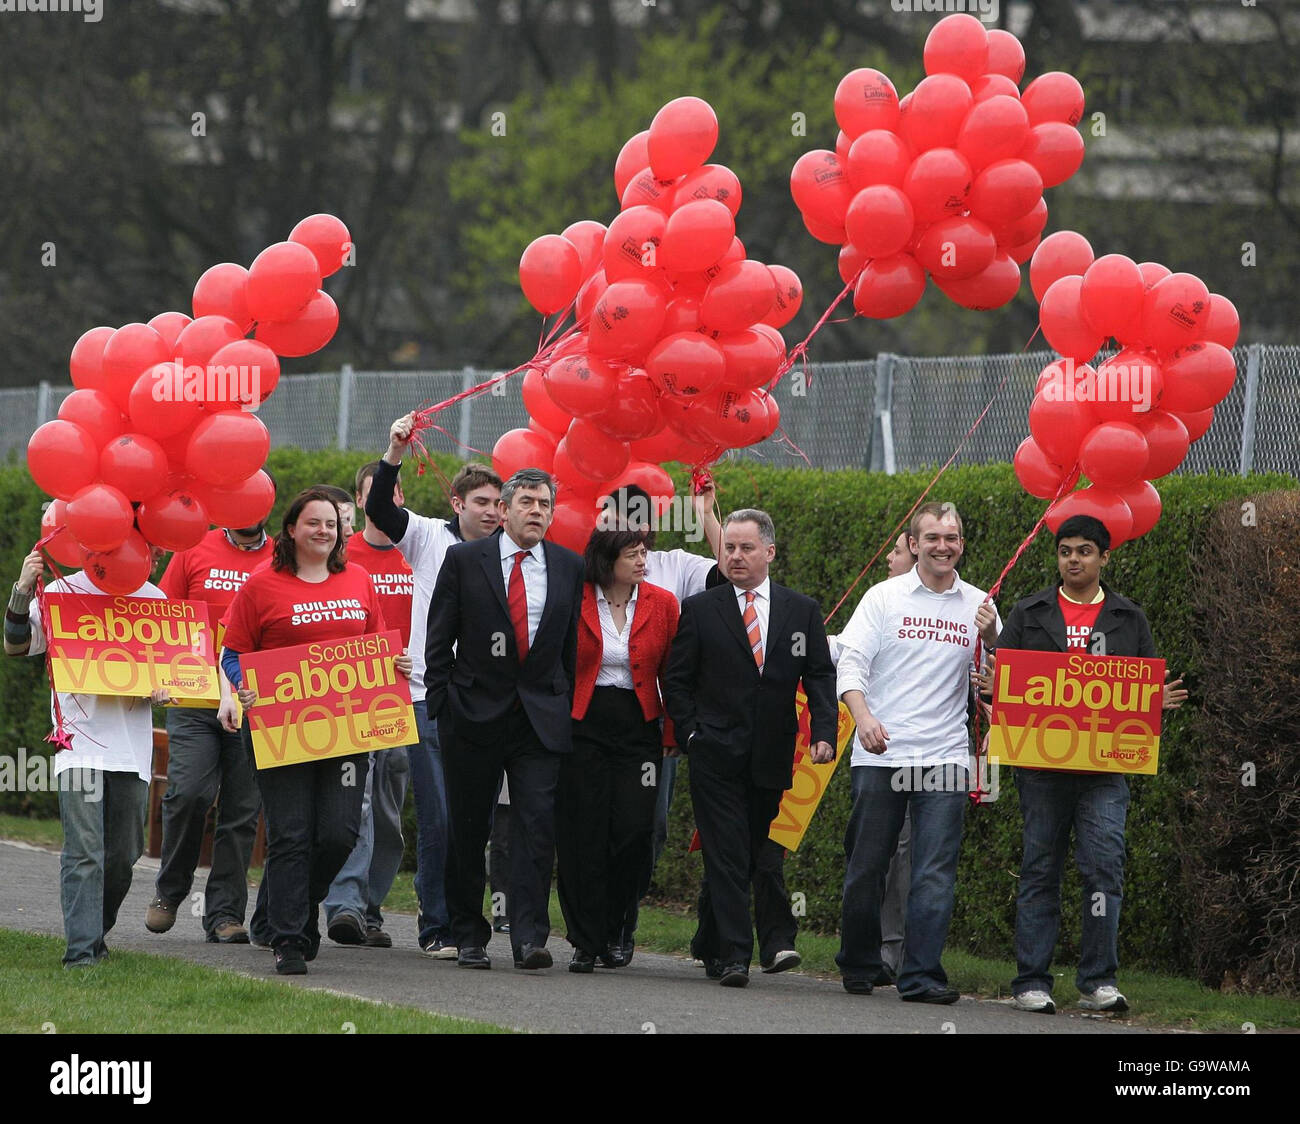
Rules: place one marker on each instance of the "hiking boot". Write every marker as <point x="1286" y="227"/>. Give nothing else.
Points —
<point x="228" y="932"/>
<point x="160" y="916"/>
<point x="377" y="938"/>
<point x="346" y="929"/>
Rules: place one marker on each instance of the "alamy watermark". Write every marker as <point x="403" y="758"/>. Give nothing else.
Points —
<point x="641" y="514"/>
<point x="1131" y="383"/>
<point x="35" y="773"/>
<point x="217" y="382"/>
<point x="91" y="11"/>
<point x="986" y="11"/>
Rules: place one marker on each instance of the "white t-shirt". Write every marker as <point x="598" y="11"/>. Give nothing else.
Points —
<point x="910" y="651"/>
<point x="424" y="546"/>
<point x="679" y="571"/>
<point x="113" y="734"/>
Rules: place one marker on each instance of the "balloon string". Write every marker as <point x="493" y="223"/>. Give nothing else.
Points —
<point x="800" y="350"/>
<point x="59" y="736"/>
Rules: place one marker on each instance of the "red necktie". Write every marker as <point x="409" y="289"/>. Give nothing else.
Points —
<point x="750" y="620"/>
<point x="518" y="599"/>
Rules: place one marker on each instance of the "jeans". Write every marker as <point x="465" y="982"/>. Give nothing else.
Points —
<point x="1096" y="806"/>
<point x="893" y="910"/>
<point x="882" y="797"/>
<point x="205" y="760"/>
<point x="362" y="885"/>
<point x="429" y="783"/>
<point x="103" y="816"/>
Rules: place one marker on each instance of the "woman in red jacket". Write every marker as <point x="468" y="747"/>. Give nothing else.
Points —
<point x="605" y="798"/>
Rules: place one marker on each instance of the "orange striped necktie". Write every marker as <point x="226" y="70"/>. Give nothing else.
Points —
<point x="750" y="619"/>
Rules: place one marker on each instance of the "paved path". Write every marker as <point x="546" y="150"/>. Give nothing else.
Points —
<point x="663" y="994"/>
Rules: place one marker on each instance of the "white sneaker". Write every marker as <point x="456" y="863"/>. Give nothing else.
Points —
<point x="1038" y="1001"/>
<point x="1105" y="998"/>
<point x="783" y="960"/>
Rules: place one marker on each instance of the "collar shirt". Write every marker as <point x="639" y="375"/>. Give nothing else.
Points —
<point x="424" y="546"/>
<point x="762" y="606"/>
<point x="909" y="650"/>
<point x="534" y="579"/>
<point x="615" y="660"/>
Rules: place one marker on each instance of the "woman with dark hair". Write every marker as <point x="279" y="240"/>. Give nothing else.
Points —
<point x="605" y="798"/>
<point x="306" y="594"/>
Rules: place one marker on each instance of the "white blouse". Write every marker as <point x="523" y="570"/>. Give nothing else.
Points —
<point x="615" y="662"/>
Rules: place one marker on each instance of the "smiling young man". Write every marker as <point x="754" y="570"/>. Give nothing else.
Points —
<point x="904" y="673"/>
<point x="1078" y="614"/>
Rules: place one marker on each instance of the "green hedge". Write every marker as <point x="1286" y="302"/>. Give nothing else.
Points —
<point x="828" y="526"/>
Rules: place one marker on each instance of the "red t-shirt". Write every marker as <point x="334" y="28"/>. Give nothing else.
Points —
<point x="277" y="609"/>
<point x="392" y="578"/>
<point x="213" y="571"/>
<point x="1079" y="620"/>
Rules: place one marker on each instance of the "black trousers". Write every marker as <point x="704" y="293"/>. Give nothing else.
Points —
<point x="604" y="811"/>
<point x="733" y="816"/>
<point x="773" y="918"/>
<point x="473" y="770"/>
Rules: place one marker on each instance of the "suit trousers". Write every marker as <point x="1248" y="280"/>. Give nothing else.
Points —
<point x="773" y="918"/>
<point x="733" y="816"/>
<point x="473" y="770"/>
<point x="604" y="813"/>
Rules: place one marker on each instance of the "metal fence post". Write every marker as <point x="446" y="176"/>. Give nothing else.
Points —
<point x="345" y="406"/>
<point x="1250" y="410"/>
<point x="43" y="403"/>
<point x="467" y="379"/>
<point x="884" y="404"/>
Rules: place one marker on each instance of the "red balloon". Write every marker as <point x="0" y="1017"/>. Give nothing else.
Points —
<point x="851" y="261"/>
<point x="543" y="432"/>
<point x="865" y="99"/>
<point x="991" y="288"/>
<point x="588" y="238"/>
<point x="1066" y="381"/>
<point x="878" y="156"/>
<point x="789" y="296"/>
<point x="282" y="278"/>
<point x="632" y="157"/>
<point x="1054" y="96"/>
<point x="938" y="183"/>
<point x="244" y="504"/>
<point x="1152" y="273"/>
<point x="735" y="418"/>
<point x="682" y="136"/>
<point x="632" y="244"/>
<point x="124" y="569"/>
<point x="589" y="294"/>
<point x="752" y="357"/>
<point x="200" y="340"/>
<point x="550" y="273"/>
<point x="540" y="406"/>
<point x="131" y="349"/>
<point x="1059" y="426"/>
<point x="646" y="191"/>
<point x="1143" y="502"/>
<point x="1114" y="454"/>
<point x="632" y="411"/>
<point x="573" y="521"/>
<point x="159" y="405"/>
<point x="889" y="287"/>
<point x="932" y="114"/>
<point x="686" y="363"/>
<point x="133" y="464"/>
<point x="954" y="249"/>
<point x="1021" y="230"/>
<point x="1112" y="295"/>
<point x="1055" y="150"/>
<point x="223" y="291"/>
<point x="842" y="145"/>
<point x="328" y="240"/>
<point x="1175" y="312"/>
<point x="175" y="519"/>
<point x="593" y="452"/>
<point x="169" y="325"/>
<point x="682" y="315"/>
<point x="86" y="363"/>
<point x="242" y="374"/>
<point x="712" y="181"/>
<point x="1100" y="503"/>
<point x="1222" y="325"/>
<point x="959" y="45"/>
<point x="994" y="129"/>
<point x="99" y="516"/>
<point x="880" y="220"/>
<point x="657" y="484"/>
<point x="580" y="384"/>
<point x="1005" y="191"/>
<point x="62" y="458"/>
<point x="1038" y="475"/>
<point x="571" y="482"/>
<point x="742" y="293"/>
<point x="1022" y="253"/>
<point x="1198" y="377"/>
<point x="626" y="321"/>
<point x="521" y="448"/>
<point x="1167" y="442"/>
<point x="309" y="331"/>
<point x="698" y="233"/>
<point x="992" y="86"/>
<point x="1197" y="422"/>
<point x="1063" y="254"/>
<point x="1006" y="55"/>
<point x="826" y="232"/>
<point x="663" y="447"/>
<point x="226" y="448"/>
<point x="1126" y="385"/>
<point x="63" y="547"/>
<point x="820" y="188"/>
<point x="96" y="413"/>
<point x="1063" y="323"/>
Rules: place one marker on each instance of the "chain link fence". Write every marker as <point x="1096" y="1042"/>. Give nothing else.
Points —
<point x="892" y="413"/>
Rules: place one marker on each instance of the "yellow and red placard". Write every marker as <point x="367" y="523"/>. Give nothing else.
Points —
<point x="1075" y="710"/>
<point x="100" y="645"/>
<point x="809" y="785"/>
<point x="329" y="699"/>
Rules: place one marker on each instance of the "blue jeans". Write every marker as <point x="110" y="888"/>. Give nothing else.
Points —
<point x="103" y="834"/>
<point x="362" y="885"/>
<point x="431" y="826"/>
<point x="882" y="797"/>
<point x="1096" y="806"/>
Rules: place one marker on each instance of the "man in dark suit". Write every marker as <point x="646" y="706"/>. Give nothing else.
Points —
<point x="500" y="657"/>
<point x="740" y="652"/>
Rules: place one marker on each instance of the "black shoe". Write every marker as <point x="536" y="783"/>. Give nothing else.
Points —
<point x="856" y="986"/>
<point x="884" y="978"/>
<point x="346" y="929"/>
<point x="582" y="962"/>
<point x="377" y="938"/>
<point x="610" y="957"/>
<point x="734" y="975"/>
<point x="289" y="961"/>
<point x="932" y="995"/>
<point x="501" y="925"/>
<point x="475" y="957"/>
<point x="712" y="970"/>
<point x="531" y="957"/>
<point x="619" y="955"/>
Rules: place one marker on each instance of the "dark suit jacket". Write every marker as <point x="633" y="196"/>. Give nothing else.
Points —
<point x="479" y="684"/>
<point x="1036" y="624"/>
<point x="741" y="719"/>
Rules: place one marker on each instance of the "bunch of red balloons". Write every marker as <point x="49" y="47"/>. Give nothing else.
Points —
<point x="1131" y="419"/>
<point x="949" y="180"/>
<point x="159" y="438"/>
<point x="677" y="331"/>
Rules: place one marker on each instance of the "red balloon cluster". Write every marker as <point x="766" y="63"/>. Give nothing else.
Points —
<point x="949" y="180"/>
<point x="1131" y="419"/>
<point x="678" y="330"/>
<point x="158" y="440"/>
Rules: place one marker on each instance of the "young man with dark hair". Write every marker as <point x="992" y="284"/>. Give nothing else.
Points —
<point x="1078" y="613"/>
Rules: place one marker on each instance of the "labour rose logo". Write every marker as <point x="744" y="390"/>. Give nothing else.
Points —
<point x="620" y="312"/>
<point x="742" y="416"/>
